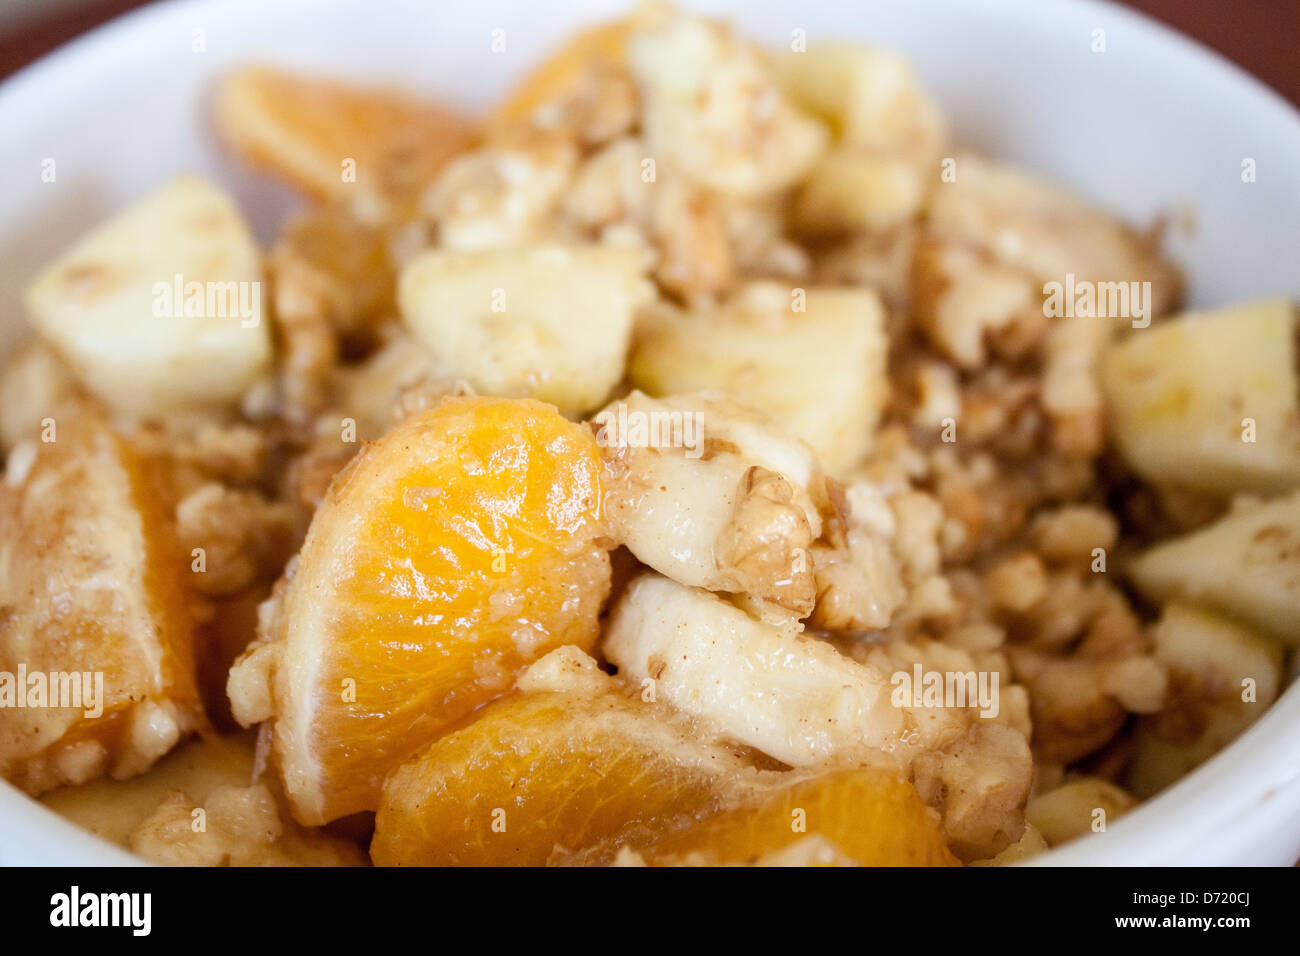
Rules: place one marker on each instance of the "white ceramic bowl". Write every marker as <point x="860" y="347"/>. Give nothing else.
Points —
<point x="1153" y="124"/>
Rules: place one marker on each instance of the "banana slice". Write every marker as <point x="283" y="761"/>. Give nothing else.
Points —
<point x="161" y="307"/>
<point x="700" y="490"/>
<point x="794" y="698"/>
<point x="550" y="322"/>
<point x="499" y="195"/>
<point x="889" y="138"/>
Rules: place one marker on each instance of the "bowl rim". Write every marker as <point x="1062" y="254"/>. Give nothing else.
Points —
<point x="1245" y="775"/>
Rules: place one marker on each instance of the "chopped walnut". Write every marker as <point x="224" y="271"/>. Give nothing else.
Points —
<point x="1018" y="583"/>
<point x="713" y="109"/>
<point x="1072" y="532"/>
<point x="858" y="585"/>
<point x="762" y="543"/>
<point x="980" y="784"/>
<point x="309" y="348"/>
<point x="239" y="536"/>
<point x="611" y="187"/>
<point x="235" y="826"/>
<point x="203" y="449"/>
<point x="499" y="195"/>
<point x="1071" y="393"/>
<point x="696" y="258"/>
<point x="919" y="518"/>
<point x="961" y="296"/>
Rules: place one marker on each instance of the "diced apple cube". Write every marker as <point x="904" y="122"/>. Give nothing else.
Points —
<point x="1246" y="565"/>
<point x="161" y="307"/>
<point x="1209" y="401"/>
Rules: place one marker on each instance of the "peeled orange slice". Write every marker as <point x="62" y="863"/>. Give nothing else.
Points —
<point x="591" y="49"/>
<point x="307" y="129"/>
<point x="544" y="773"/>
<point x="873" y="816"/>
<point x="561" y="777"/>
<point x="446" y="556"/>
<point x="96" y="657"/>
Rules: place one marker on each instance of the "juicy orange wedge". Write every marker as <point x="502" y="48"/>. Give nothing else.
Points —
<point x="603" y="45"/>
<point x="93" y="589"/>
<point x="544" y="773"/>
<point x="448" y="555"/>
<point x="557" y="777"/>
<point x="873" y="816"/>
<point x="306" y="129"/>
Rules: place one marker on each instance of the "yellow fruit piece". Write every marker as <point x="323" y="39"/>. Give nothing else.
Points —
<point x="159" y="308"/>
<point x="873" y="816"/>
<point x="448" y="555"/>
<point x="550" y="321"/>
<point x="1245" y="565"/>
<point x="581" y="773"/>
<point x="811" y="360"/>
<point x="544" y="773"/>
<point x="851" y="190"/>
<point x="1209" y="400"/>
<point x="870" y="97"/>
<point x="306" y="129"/>
<point x="93" y="592"/>
<point x="1212" y="660"/>
<point x="562" y="70"/>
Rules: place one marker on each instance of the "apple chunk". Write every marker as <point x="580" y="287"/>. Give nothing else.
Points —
<point x="160" y="308"/>
<point x="1209" y="401"/>
<point x="811" y="360"/>
<point x="1246" y="565"/>
<point x="548" y="321"/>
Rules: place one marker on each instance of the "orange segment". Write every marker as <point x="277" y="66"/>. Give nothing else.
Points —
<point x="303" y="129"/>
<point x="542" y="773"/>
<point x="92" y="589"/>
<point x="448" y="555"/>
<point x="871" y="815"/>
<point x="546" y="777"/>
<point x="600" y="46"/>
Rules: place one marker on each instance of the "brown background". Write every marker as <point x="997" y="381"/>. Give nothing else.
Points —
<point x="1261" y="35"/>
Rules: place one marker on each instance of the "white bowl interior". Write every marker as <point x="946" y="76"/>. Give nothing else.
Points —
<point x="1155" y="125"/>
